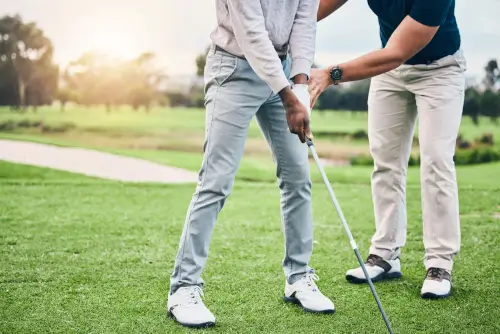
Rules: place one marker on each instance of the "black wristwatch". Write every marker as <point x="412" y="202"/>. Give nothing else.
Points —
<point x="336" y="75"/>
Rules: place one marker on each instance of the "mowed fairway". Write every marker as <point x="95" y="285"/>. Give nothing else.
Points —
<point x="83" y="255"/>
<point x="80" y="255"/>
<point x="182" y="130"/>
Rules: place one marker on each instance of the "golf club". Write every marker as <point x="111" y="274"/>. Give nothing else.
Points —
<point x="348" y="232"/>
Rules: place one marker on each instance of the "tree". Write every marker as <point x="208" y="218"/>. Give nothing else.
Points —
<point x="353" y="97"/>
<point x="89" y="76"/>
<point x="472" y="105"/>
<point x="100" y="80"/>
<point x="490" y="105"/>
<point x="492" y="76"/>
<point x="145" y="77"/>
<point x="26" y="59"/>
<point x="201" y="60"/>
<point x="65" y="95"/>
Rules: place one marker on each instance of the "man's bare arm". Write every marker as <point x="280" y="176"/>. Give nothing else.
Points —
<point x="327" y="7"/>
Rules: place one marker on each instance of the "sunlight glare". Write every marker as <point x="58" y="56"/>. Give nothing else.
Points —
<point x="113" y="41"/>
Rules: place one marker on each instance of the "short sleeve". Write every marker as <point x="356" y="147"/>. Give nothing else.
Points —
<point x="431" y="13"/>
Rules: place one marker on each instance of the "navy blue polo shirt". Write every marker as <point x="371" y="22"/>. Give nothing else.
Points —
<point x="432" y="13"/>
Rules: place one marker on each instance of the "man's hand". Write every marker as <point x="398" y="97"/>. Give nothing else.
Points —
<point x="320" y="80"/>
<point x="297" y="115"/>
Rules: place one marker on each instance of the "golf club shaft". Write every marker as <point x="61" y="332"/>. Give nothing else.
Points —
<point x="348" y="232"/>
<point x="375" y="295"/>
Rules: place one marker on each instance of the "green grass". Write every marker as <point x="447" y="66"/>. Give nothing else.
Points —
<point x="174" y="120"/>
<point x="178" y="129"/>
<point x="162" y="120"/>
<point x="81" y="255"/>
<point x="262" y="168"/>
<point x="85" y="255"/>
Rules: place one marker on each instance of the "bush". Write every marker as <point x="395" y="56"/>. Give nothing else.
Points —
<point x="7" y="125"/>
<point x="366" y="160"/>
<point x="362" y="160"/>
<point x="464" y="144"/>
<point x="461" y="143"/>
<point x="331" y="134"/>
<point x="57" y="128"/>
<point x="24" y="124"/>
<point x="414" y="161"/>
<point x="360" y="134"/>
<point x="486" y="139"/>
<point x="477" y="155"/>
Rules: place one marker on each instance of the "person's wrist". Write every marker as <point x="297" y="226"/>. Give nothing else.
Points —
<point x="300" y="79"/>
<point x="287" y="96"/>
<point x="329" y="75"/>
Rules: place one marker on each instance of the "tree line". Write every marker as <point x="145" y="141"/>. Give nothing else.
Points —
<point x="95" y="79"/>
<point x="479" y="101"/>
<point x="482" y="100"/>
<point x="29" y="77"/>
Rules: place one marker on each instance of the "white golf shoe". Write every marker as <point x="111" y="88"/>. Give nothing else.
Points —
<point x="377" y="268"/>
<point x="437" y="284"/>
<point x="305" y="293"/>
<point x="187" y="308"/>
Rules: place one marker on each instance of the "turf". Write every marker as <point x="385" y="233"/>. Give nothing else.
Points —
<point x="81" y="255"/>
<point x="181" y="120"/>
<point x="177" y="129"/>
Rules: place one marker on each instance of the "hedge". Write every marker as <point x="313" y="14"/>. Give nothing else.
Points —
<point x="477" y="155"/>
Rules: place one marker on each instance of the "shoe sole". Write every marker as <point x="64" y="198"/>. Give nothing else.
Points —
<point x="380" y="277"/>
<point x="202" y="325"/>
<point x="297" y="302"/>
<point x="430" y="295"/>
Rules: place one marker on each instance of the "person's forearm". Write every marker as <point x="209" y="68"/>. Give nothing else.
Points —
<point x="303" y="38"/>
<point x="370" y="65"/>
<point x="327" y="7"/>
<point x="408" y="39"/>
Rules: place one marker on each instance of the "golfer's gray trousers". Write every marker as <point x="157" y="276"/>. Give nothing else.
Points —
<point x="233" y="95"/>
<point x="434" y="93"/>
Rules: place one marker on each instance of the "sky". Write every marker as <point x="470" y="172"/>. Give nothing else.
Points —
<point x="177" y="31"/>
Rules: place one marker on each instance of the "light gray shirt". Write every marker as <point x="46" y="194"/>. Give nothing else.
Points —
<point x="260" y="30"/>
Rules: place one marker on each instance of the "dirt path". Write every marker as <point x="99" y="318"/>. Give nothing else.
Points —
<point x="92" y="163"/>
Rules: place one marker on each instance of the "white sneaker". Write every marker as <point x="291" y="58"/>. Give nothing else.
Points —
<point x="187" y="308"/>
<point x="305" y="293"/>
<point x="437" y="284"/>
<point x="377" y="269"/>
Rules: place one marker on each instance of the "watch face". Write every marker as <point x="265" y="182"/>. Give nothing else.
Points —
<point x="336" y="74"/>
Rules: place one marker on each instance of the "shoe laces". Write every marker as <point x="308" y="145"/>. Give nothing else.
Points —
<point x="437" y="274"/>
<point x="192" y="294"/>
<point x="308" y="282"/>
<point x="372" y="259"/>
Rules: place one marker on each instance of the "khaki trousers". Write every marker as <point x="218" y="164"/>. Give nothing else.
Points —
<point x="435" y="93"/>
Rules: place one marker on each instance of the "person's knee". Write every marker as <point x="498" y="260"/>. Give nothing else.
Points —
<point x="437" y="158"/>
<point x="383" y="157"/>
<point x="217" y="186"/>
<point x="295" y="177"/>
<point x="385" y="161"/>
